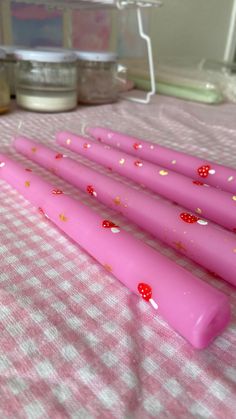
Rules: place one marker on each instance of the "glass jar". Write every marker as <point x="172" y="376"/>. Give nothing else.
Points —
<point x="4" y="87"/>
<point x="97" y="77"/>
<point x="10" y="62"/>
<point x="46" y="81"/>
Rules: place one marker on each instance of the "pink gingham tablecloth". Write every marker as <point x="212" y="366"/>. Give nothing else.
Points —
<point x="74" y="342"/>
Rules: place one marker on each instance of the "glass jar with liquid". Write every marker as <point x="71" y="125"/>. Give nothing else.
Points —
<point x="46" y="81"/>
<point x="97" y="77"/>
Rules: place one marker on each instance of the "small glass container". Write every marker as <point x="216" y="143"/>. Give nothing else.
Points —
<point x="10" y="62"/>
<point x="97" y="77"/>
<point x="46" y="81"/>
<point x="4" y="87"/>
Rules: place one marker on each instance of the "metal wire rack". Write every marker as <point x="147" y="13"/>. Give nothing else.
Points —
<point x="90" y="4"/>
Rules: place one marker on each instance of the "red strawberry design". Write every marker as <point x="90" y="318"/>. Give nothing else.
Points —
<point x="109" y="224"/>
<point x="41" y="211"/>
<point x="198" y="183"/>
<point x="138" y="163"/>
<point x="57" y="192"/>
<point x="91" y="191"/>
<point x="137" y="146"/>
<point x="58" y="156"/>
<point x="146" y="293"/>
<point x="188" y="218"/>
<point x="205" y="170"/>
<point x="28" y="170"/>
<point x="87" y="145"/>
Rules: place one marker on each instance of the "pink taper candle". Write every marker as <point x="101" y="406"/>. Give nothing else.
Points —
<point x="202" y="199"/>
<point x="207" y="244"/>
<point x="197" y="168"/>
<point x="193" y="308"/>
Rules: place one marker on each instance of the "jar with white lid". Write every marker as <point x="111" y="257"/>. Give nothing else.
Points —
<point x="97" y="77"/>
<point x="4" y="87"/>
<point x="46" y="81"/>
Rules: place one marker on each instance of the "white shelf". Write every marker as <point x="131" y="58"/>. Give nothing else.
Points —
<point x="92" y="4"/>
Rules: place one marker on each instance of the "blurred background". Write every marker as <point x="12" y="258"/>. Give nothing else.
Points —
<point x="196" y="28"/>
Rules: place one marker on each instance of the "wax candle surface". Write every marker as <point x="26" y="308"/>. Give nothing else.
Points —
<point x="207" y="244"/>
<point x="197" y="168"/>
<point x="196" y="310"/>
<point x="209" y="202"/>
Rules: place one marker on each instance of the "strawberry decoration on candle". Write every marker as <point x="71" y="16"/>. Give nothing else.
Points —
<point x="87" y="145"/>
<point x="188" y="218"/>
<point x="41" y="211"/>
<point x="59" y="156"/>
<point x="109" y="224"/>
<point x="137" y="146"/>
<point x="191" y="218"/>
<point x="91" y="190"/>
<point x="198" y="183"/>
<point x="57" y="192"/>
<point x="205" y="170"/>
<point x="146" y="293"/>
<point x="138" y="163"/>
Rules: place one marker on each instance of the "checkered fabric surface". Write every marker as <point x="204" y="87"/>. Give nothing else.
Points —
<point x="74" y="342"/>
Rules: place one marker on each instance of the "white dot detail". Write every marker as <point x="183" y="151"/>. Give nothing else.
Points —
<point x="202" y="222"/>
<point x="115" y="230"/>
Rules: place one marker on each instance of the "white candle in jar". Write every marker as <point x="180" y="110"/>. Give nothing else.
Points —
<point x="46" y="81"/>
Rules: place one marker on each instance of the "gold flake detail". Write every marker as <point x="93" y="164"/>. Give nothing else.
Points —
<point x="179" y="246"/>
<point x="117" y="200"/>
<point x="163" y="172"/>
<point x="107" y="267"/>
<point x="63" y="217"/>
